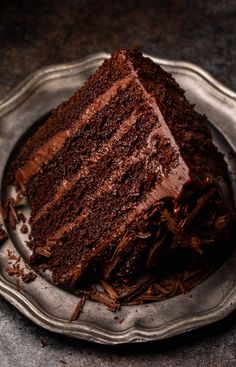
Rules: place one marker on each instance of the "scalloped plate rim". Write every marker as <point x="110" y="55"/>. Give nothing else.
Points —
<point x="80" y="330"/>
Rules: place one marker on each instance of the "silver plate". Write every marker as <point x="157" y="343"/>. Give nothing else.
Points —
<point x="51" y="307"/>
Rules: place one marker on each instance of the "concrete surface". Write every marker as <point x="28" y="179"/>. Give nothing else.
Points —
<point x="35" y="34"/>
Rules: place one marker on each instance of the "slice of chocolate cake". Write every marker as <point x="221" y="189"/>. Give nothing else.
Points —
<point x="121" y="177"/>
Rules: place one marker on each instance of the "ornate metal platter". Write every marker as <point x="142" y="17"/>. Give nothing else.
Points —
<point x="51" y="307"/>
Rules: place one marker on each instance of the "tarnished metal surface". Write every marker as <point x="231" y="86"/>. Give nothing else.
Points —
<point x="50" y="306"/>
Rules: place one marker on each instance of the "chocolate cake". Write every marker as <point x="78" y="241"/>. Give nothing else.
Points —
<point x="122" y="180"/>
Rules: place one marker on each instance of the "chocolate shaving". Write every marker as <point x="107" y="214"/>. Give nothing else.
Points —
<point x="180" y="286"/>
<point x="12" y="271"/>
<point x="12" y="207"/>
<point x="170" y="221"/>
<point x="201" y="202"/>
<point x="191" y="241"/>
<point x="221" y="223"/>
<point x="18" y="260"/>
<point x="17" y="270"/>
<point x="190" y="274"/>
<point x="102" y="297"/>
<point x="117" y="255"/>
<point x="10" y="212"/>
<point x="43" y="252"/>
<point x="160" y="289"/>
<point x="9" y="253"/>
<point x="29" y="277"/>
<point x="143" y="235"/>
<point x="78" y="309"/>
<point x="137" y="301"/>
<point x="110" y="290"/>
<point x="153" y="253"/>
<point x="150" y="298"/>
<point x="129" y="292"/>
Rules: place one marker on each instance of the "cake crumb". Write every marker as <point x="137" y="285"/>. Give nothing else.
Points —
<point x="29" y="277"/>
<point x="12" y="257"/>
<point x="21" y="217"/>
<point x="20" y="272"/>
<point x="24" y="229"/>
<point x="44" y="343"/>
<point x="3" y="234"/>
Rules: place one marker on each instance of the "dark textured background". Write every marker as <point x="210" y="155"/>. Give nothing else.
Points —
<point x="38" y="33"/>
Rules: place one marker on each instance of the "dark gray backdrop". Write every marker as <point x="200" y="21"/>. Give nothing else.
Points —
<point x="38" y="33"/>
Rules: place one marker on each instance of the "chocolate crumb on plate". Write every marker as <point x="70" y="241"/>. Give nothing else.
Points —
<point x="44" y="342"/>
<point x="24" y="229"/>
<point x="15" y="269"/>
<point x="29" y="277"/>
<point x="78" y="309"/>
<point x="21" y="217"/>
<point x="3" y="234"/>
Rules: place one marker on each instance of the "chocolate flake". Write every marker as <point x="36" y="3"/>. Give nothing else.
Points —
<point x="143" y="235"/>
<point x="13" y="271"/>
<point x="10" y="212"/>
<point x="153" y="253"/>
<point x="102" y="297"/>
<point x="160" y="289"/>
<point x="29" y="277"/>
<point x="16" y="270"/>
<point x="202" y="201"/>
<point x="128" y="293"/>
<point x="110" y="290"/>
<point x="78" y="308"/>
<point x="43" y="251"/>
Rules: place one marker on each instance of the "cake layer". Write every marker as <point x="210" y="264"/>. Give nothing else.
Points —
<point x="69" y="111"/>
<point x="81" y="189"/>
